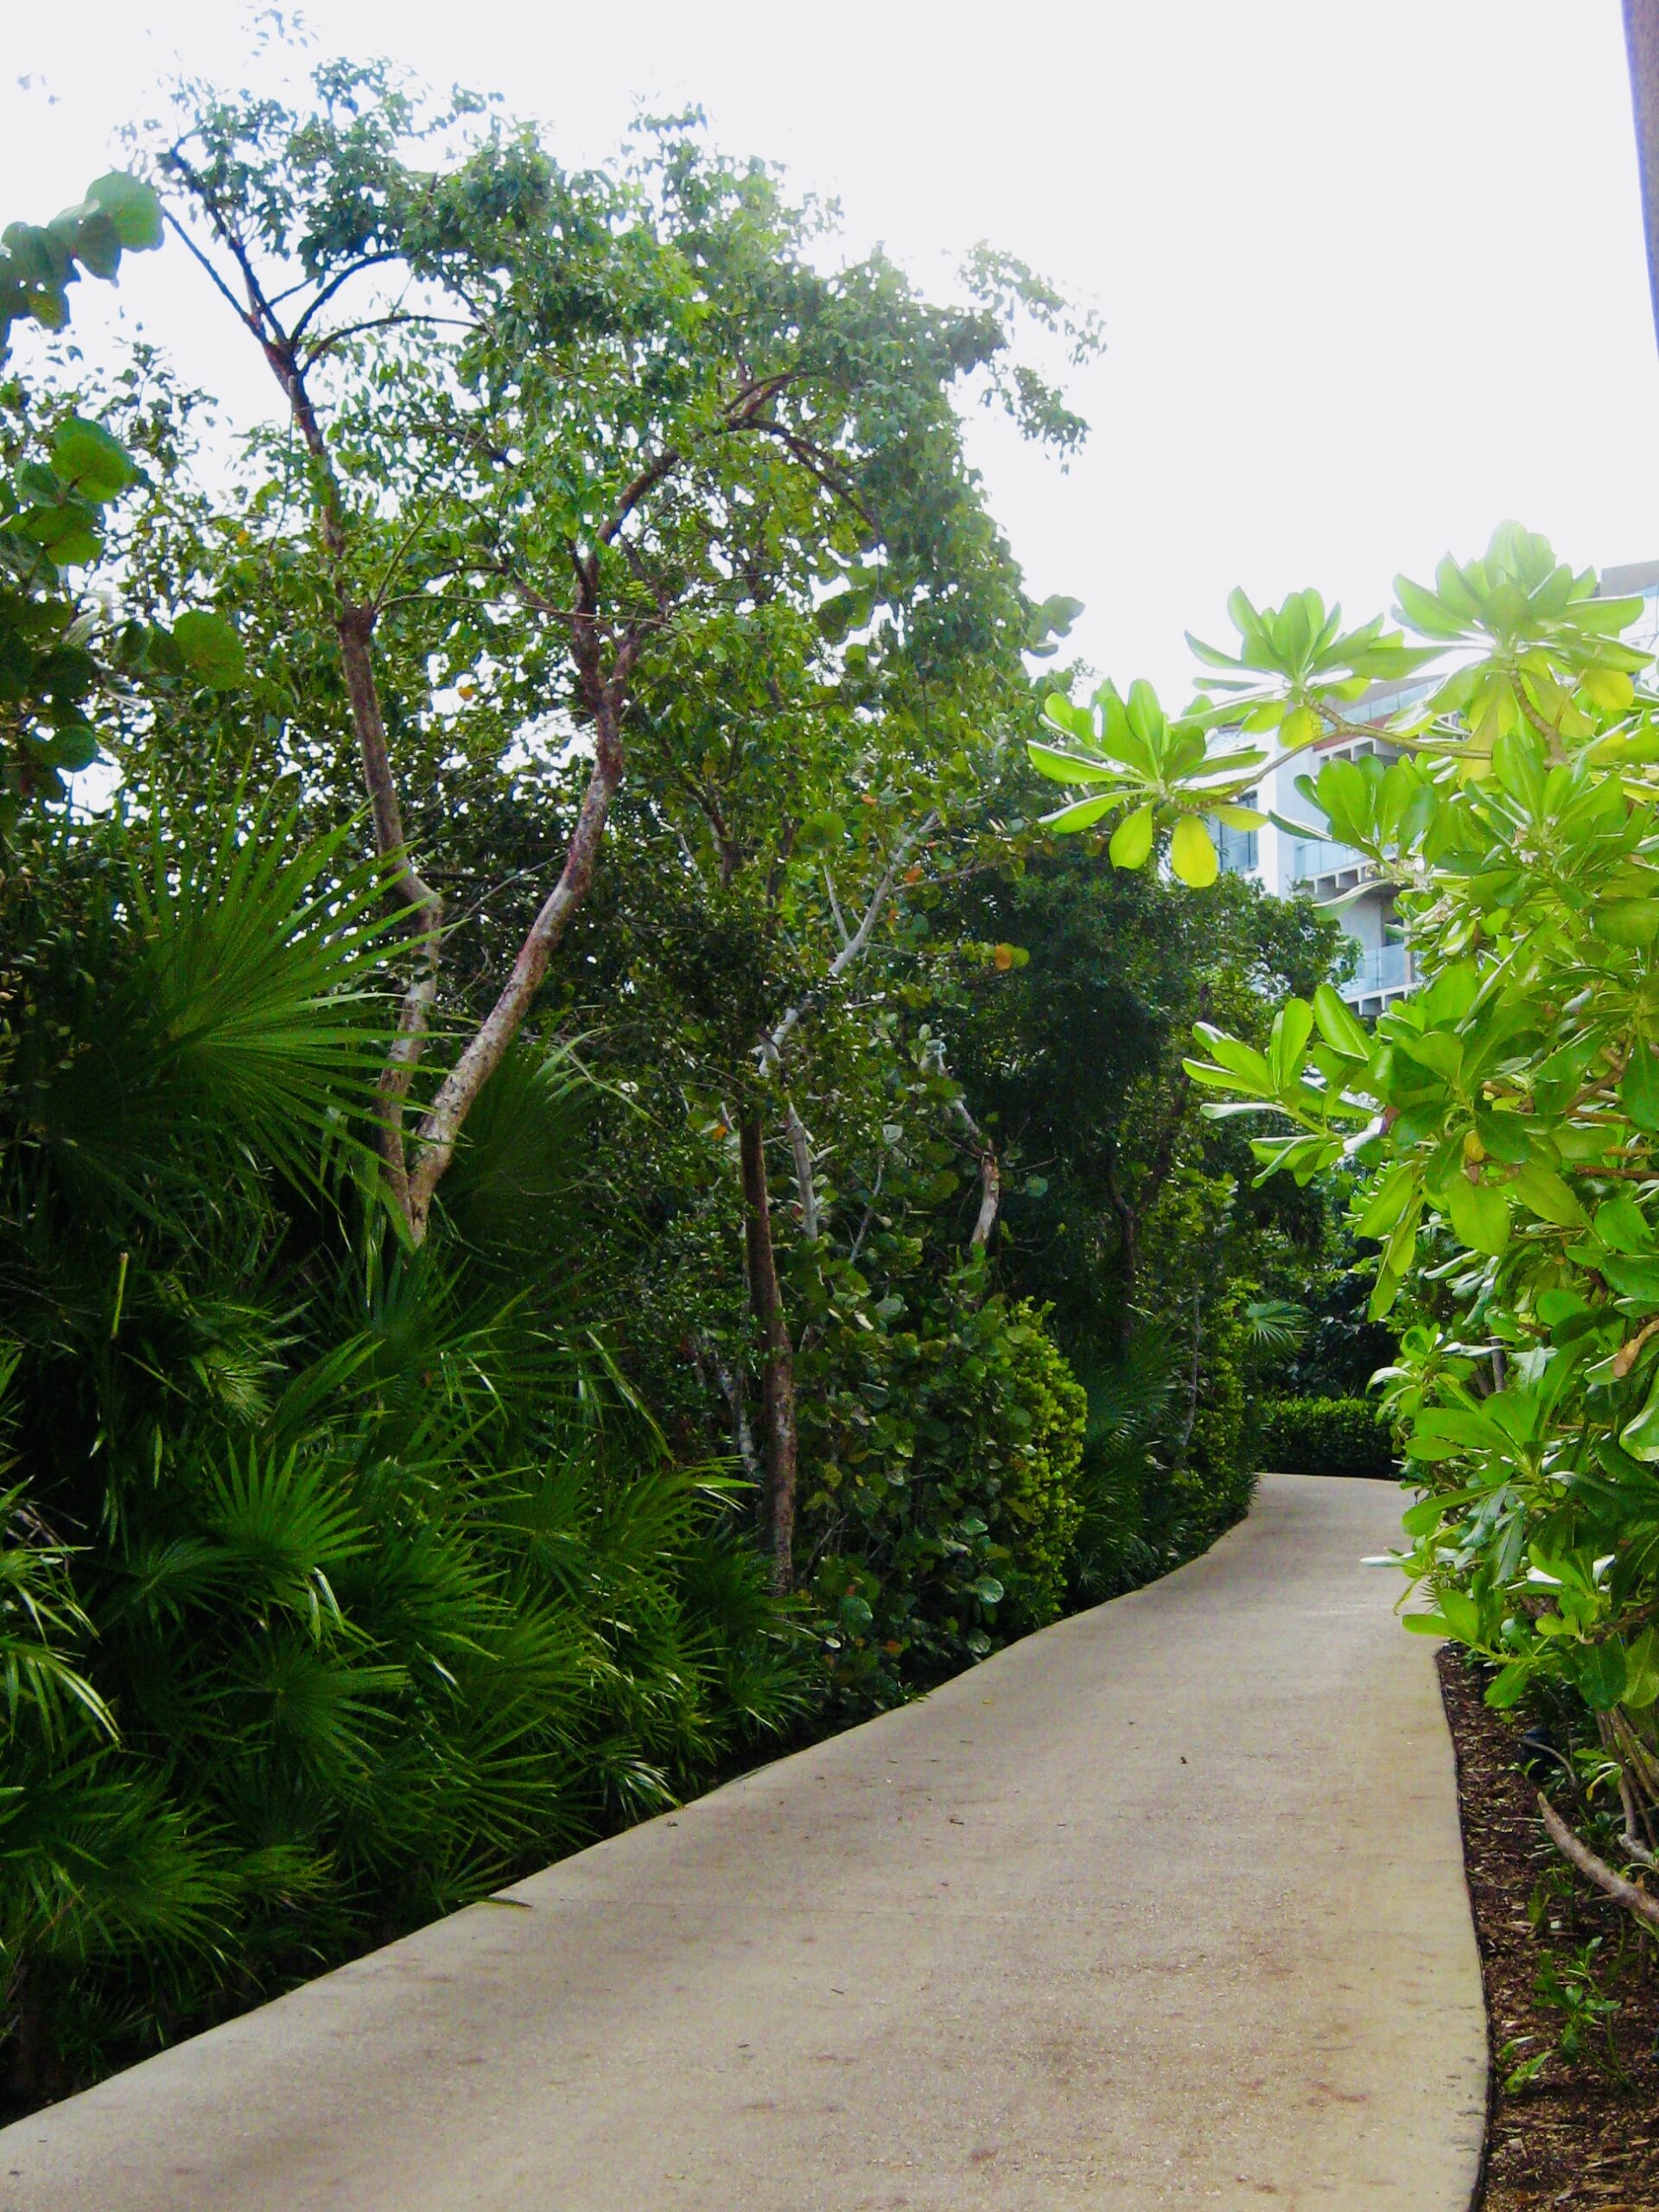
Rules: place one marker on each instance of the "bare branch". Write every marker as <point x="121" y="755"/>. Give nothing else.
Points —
<point x="341" y="277"/>
<point x="391" y="321"/>
<point x="439" y="1127"/>
<point x="647" y="480"/>
<point x="1643" y="1903"/>
<point x="772" y="1043"/>
<point x="801" y="1145"/>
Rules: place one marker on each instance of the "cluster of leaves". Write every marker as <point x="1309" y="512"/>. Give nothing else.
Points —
<point x="61" y="476"/>
<point x="1505" y="1116"/>
<point x="944" y="1458"/>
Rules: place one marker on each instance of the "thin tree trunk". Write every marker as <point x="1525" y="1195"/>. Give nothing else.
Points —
<point x="441" y="1125"/>
<point x="1195" y="1375"/>
<point x="1641" y="53"/>
<point x="990" y="1177"/>
<point x="800" y="1143"/>
<point x="1129" y="1257"/>
<point x="412" y="1182"/>
<point x="777" y="1370"/>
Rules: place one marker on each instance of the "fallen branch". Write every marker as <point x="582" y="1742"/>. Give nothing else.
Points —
<point x="1643" y="1903"/>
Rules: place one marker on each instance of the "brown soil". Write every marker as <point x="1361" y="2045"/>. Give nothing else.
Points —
<point x="1575" y="2135"/>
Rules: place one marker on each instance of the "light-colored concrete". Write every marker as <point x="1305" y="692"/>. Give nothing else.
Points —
<point x="1164" y="1907"/>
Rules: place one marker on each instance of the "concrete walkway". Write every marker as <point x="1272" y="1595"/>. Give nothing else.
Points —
<point x="1164" y="1907"/>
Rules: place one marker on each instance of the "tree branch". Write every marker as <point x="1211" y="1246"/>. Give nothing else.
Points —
<point x="1643" y="1903"/>
<point x="439" y="1127"/>
<point x="801" y="1145"/>
<point x="772" y="1040"/>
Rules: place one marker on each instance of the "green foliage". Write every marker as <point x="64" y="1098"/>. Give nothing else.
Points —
<point x="946" y="1465"/>
<point x="1504" y="1116"/>
<point x="357" y="1555"/>
<point x="1323" y="1436"/>
<point x="52" y="501"/>
<point x="39" y="261"/>
<point x="382" y="1589"/>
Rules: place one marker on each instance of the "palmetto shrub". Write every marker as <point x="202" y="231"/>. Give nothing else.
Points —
<point x="338" y="1581"/>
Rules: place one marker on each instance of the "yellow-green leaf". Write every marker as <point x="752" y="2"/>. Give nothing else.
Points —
<point x="1131" y="839"/>
<point x="1192" y="852"/>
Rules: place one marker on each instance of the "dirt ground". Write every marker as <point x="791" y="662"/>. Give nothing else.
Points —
<point x="1584" y="2133"/>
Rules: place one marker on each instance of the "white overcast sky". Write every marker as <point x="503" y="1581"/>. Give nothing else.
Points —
<point x="1371" y="276"/>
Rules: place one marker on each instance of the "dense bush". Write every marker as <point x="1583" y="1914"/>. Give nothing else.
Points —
<point x="339" y="1580"/>
<point x="944" y="1503"/>
<point x="1323" y="1436"/>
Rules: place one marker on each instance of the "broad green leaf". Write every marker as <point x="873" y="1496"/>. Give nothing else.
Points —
<point x="1192" y="853"/>
<point x="131" y="206"/>
<point x="1386" y="1202"/>
<point x="1338" y="1026"/>
<point x="1549" y="1196"/>
<point x="1462" y="1616"/>
<point x="1600" y="1674"/>
<point x="1626" y="922"/>
<point x="1069" y="768"/>
<point x="1131" y="845"/>
<point x="1638" y="1089"/>
<point x="1622" y="1226"/>
<point x="1640" y="1437"/>
<point x="86" y="456"/>
<point x="1479" y="1215"/>
<point x="1082" y="814"/>
<point x="210" y="650"/>
<point x="1292" y="1027"/>
<point x="1510" y="1685"/>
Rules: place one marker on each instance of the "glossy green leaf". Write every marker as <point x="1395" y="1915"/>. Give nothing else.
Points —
<point x="1479" y="1215"/>
<point x="210" y="650"/>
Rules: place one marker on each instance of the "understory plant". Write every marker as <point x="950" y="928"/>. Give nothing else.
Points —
<point x="339" y="1580"/>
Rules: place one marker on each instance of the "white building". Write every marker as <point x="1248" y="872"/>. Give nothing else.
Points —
<point x="1336" y="874"/>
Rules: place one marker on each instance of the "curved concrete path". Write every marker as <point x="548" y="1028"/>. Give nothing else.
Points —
<point x="1163" y="1907"/>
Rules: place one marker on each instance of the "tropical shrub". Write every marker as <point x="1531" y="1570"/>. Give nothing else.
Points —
<point x="1323" y="1436"/>
<point x="340" y="1580"/>
<point x="1506" y="1112"/>
<point x="944" y="1502"/>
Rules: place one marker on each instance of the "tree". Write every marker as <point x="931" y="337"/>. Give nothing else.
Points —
<point x="1506" y="1113"/>
<point x="657" y="419"/>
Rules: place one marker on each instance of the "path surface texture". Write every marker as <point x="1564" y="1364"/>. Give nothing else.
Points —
<point x="1163" y="1907"/>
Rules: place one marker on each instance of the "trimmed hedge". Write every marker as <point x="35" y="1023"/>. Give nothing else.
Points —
<point x="1323" y="1436"/>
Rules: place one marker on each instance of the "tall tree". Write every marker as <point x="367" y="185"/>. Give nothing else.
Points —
<point x="547" y="428"/>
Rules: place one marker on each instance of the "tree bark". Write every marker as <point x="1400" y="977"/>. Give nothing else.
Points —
<point x="439" y="1127"/>
<point x="1642" y="1903"/>
<point x="990" y="1176"/>
<point x="800" y="1143"/>
<point x="777" y="1370"/>
<point x="412" y="1182"/>
<point x="1128" y="1258"/>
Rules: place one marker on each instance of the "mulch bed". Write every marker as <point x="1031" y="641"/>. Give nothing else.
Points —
<point x="1575" y="2135"/>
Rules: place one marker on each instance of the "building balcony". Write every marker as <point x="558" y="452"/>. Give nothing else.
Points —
<point x="1384" y="972"/>
<point x="1320" y="864"/>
